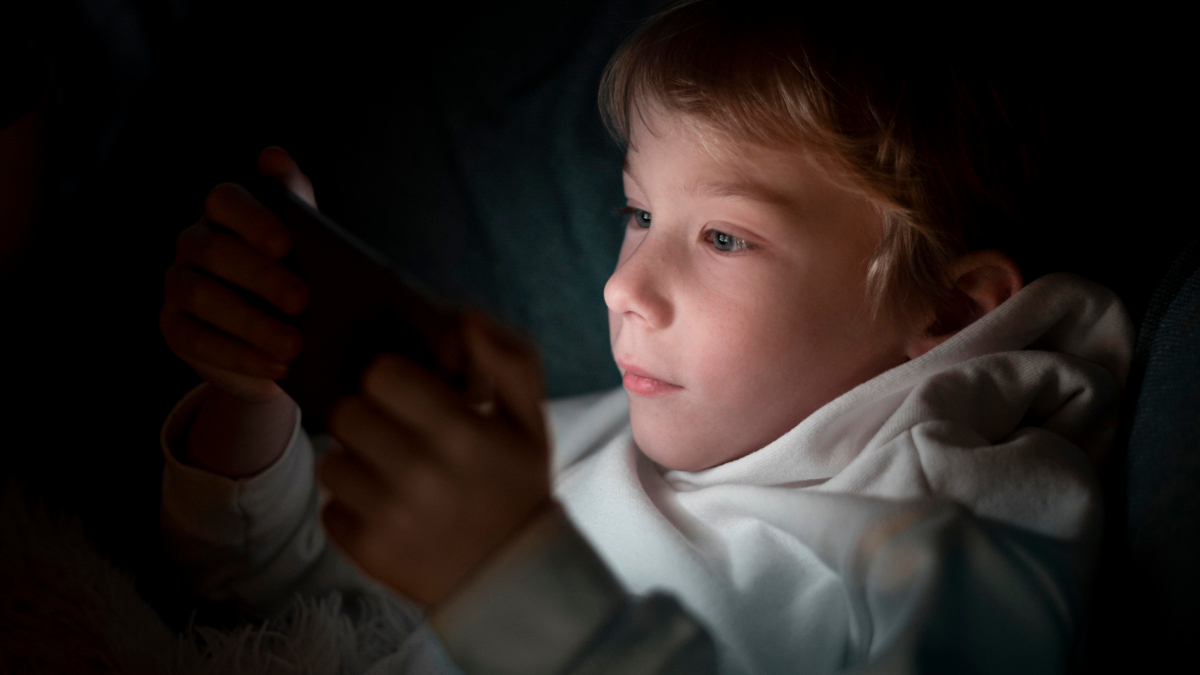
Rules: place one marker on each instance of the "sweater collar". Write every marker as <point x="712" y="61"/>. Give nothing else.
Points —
<point x="1059" y="312"/>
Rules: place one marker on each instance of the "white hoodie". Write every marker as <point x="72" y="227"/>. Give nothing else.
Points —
<point x="947" y="509"/>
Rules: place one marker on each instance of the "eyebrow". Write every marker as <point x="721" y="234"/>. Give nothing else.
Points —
<point x="724" y="189"/>
<point x="743" y="189"/>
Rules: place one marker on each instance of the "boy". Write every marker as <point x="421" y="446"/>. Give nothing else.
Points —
<point x="832" y="445"/>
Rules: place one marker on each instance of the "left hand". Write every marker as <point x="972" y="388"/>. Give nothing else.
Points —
<point x="428" y="485"/>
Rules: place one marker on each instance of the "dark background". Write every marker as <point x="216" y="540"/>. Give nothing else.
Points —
<point x="462" y="140"/>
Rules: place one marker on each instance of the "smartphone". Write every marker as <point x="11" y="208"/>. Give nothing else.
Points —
<point x="360" y="305"/>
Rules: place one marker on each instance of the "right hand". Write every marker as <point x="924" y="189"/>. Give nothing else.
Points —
<point x="236" y="347"/>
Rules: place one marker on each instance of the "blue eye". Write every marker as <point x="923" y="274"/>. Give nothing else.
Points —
<point x="637" y="216"/>
<point x="726" y="243"/>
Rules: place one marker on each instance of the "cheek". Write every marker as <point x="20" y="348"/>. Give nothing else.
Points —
<point x="742" y="322"/>
<point x="766" y="354"/>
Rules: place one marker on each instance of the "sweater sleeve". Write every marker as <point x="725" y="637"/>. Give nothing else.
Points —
<point x="947" y="592"/>
<point x="546" y="604"/>
<point x="255" y="540"/>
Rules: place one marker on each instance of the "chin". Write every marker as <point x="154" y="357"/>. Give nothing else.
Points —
<point x="670" y="450"/>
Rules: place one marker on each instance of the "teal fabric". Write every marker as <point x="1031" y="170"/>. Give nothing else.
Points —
<point x="485" y="170"/>
<point x="544" y="183"/>
<point x="1163" y="462"/>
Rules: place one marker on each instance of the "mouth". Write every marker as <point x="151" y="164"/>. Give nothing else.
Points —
<point x="642" y="383"/>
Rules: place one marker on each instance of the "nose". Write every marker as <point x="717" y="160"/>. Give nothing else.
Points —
<point x="638" y="287"/>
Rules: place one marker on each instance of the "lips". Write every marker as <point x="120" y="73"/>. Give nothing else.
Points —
<point x="638" y="381"/>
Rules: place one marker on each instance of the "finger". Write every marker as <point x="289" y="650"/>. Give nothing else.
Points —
<point x="275" y="161"/>
<point x="368" y="432"/>
<point x="245" y="387"/>
<point x="511" y="365"/>
<point x="416" y="397"/>
<point x="372" y="543"/>
<point x="355" y="484"/>
<point x="233" y="207"/>
<point x="199" y="343"/>
<point x="344" y="527"/>
<point x="208" y="300"/>
<point x="229" y="257"/>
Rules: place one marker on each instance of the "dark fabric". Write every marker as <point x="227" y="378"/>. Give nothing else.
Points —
<point x="23" y="72"/>
<point x="484" y="170"/>
<point x="462" y="141"/>
<point x="464" y="145"/>
<point x="1163" y="482"/>
<point x="1148" y="586"/>
<point x="86" y="379"/>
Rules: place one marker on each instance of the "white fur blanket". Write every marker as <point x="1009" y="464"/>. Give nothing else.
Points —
<point x="66" y="609"/>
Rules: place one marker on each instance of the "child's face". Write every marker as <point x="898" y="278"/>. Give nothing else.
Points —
<point x="741" y="307"/>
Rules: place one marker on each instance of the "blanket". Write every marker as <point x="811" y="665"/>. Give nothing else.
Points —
<point x="66" y="609"/>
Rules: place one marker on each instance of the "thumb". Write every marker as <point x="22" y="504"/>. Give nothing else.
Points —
<point x="510" y="369"/>
<point x="275" y="161"/>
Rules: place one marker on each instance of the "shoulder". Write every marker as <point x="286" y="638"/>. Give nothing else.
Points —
<point x="1011" y="418"/>
<point x="580" y="424"/>
<point x="1016" y="437"/>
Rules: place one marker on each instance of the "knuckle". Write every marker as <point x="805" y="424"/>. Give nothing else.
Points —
<point x="179" y="275"/>
<point x="249" y="272"/>
<point x="253" y="327"/>
<point x="337" y="528"/>
<point x="286" y="341"/>
<point x="219" y="254"/>
<point x="370" y="549"/>
<point x="342" y="416"/>
<point x="245" y="362"/>
<point x="183" y="242"/>
<point x="525" y="353"/>
<point x="193" y="294"/>
<point x="254" y="273"/>
<point x="330" y="472"/>
<point x="274" y="282"/>
<point x="192" y="243"/>
<point x="428" y="489"/>
<point x="196" y="346"/>
<point x="220" y="196"/>
<point x="393" y="515"/>
<point x="204" y="244"/>
<point x="375" y="377"/>
<point x="460" y="440"/>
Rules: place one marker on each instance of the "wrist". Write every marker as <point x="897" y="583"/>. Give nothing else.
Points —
<point x="539" y="600"/>
<point x="236" y="437"/>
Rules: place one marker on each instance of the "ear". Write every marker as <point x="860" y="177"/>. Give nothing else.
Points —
<point x="982" y="280"/>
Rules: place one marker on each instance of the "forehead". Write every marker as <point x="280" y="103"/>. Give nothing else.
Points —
<point x="670" y="153"/>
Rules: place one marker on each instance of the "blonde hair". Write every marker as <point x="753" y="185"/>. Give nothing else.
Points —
<point x="931" y="142"/>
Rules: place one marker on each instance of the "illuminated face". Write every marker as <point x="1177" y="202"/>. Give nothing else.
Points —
<point x="738" y="306"/>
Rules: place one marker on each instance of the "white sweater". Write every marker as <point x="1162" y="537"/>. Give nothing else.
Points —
<point x="947" y="509"/>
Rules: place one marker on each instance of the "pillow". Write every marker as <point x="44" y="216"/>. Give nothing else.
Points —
<point x="485" y="170"/>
